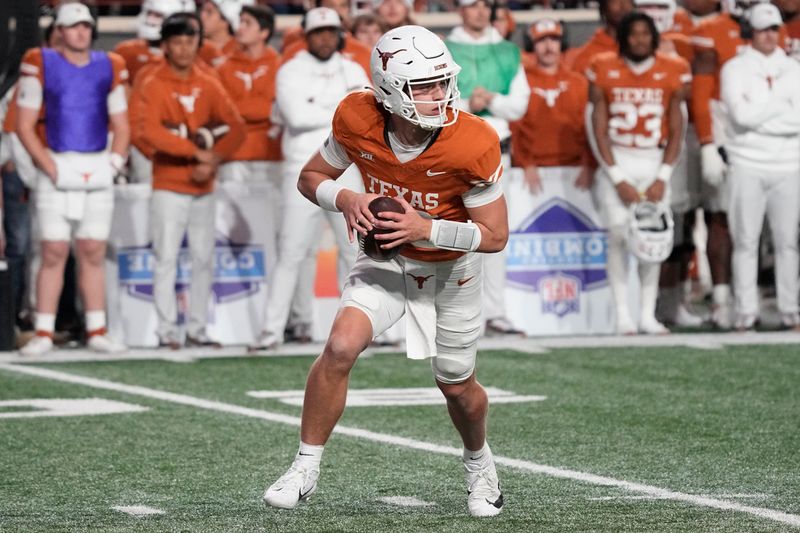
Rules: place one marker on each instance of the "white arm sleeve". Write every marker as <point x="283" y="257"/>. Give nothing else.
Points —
<point x="30" y="93"/>
<point x="746" y="110"/>
<point x="481" y="195"/>
<point x="512" y="106"/>
<point x="334" y="154"/>
<point x="117" y="101"/>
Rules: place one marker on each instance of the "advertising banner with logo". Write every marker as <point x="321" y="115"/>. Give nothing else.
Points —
<point x="242" y="260"/>
<point x="556" y="257"/>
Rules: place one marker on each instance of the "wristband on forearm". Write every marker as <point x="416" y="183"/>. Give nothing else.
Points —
<point x="326" y="194"/>
<point x="616" y="174"/>
<point x="458" y="236"/>
<point x="665" y="172"/>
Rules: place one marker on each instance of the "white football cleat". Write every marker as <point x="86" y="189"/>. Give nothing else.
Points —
<point x="722" y="316"/>
<point x="264" y="342"/>
<point x="625" y="326"/>
<point x="105" y="344"/>
<point x="483" y="489"/>
<point x="651" y="326"/>
<point x="38" y="345"/>
<point x="296" y="485"/>
<point x="686" y="319"/>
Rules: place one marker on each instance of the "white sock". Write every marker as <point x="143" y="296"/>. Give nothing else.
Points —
<point x="309" y="455"/>
<point x="45" y="322"/>
<point x="617" y="272"/>
<point x="95" y="320"/>
<point x="477" y="459"/>
<point x="648" y="278"/>
<point x="721" y="294"/>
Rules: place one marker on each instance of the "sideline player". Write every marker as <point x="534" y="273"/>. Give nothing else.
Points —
<point x="83" y="95"/>
<point x="444" y="168"/>
<point x="634" y="93"/>
<point x="760" y="89"/>
<point x="716" y="40"/>
<point x="177" y="96"/>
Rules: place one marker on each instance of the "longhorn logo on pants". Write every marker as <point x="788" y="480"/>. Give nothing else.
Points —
<point x="420" y="280"/>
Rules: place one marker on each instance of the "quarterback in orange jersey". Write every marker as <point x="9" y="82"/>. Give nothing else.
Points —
<point x="604" y="39"/>
<point x="634" y="93"/>
<point x="443" y="168"/>
<point x="549" y="142"/>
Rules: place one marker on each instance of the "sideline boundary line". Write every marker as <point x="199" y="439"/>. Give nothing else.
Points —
<point x="383" y="438"/>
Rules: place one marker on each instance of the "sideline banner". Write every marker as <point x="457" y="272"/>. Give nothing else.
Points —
<point x="242" y="262"/>
<point x="556" y="258"/>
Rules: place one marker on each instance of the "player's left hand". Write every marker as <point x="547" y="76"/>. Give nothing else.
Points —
<point x="203" y="172"/>
<point x="407" y="227"/>
<point x="655" y="192"/>
<point x="585" y="179"/>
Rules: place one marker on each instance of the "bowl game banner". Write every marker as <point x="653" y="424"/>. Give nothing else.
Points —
<point x="556" y="257"/>
<point x="243" y="256"/>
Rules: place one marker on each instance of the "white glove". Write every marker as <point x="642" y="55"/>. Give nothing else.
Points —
<point x="712" y="164"/>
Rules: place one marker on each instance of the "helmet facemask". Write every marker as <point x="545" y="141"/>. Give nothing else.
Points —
<point x="407" y="64"/>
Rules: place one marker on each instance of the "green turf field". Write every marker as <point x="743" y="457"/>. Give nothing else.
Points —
<point x="695" y="429"/>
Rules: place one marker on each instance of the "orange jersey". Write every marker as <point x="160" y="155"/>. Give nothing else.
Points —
<point x="721" y="34"/>
<point x="682" y="23"/>
<point x="579" y="59"/>
<point x="10" y="120"/>
<point x="793" y="32"/>
<point x="552" y="132"/>
<point x="251" y="85"/>
<point x="292" y="36"/>
<point x="680" y="43"/>
<point x="33" y="65"/>
<point x="353" y="50"/>
<point x="638" y="103"/>
<point x="167" y="100"/>
<point x="137" y="53"/>
<point x="461" y="157"/>
<point x="211" y="55"/>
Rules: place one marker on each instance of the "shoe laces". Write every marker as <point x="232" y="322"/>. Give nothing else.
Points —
<point x="296" y="472"/>
<point x="483" y="483"/>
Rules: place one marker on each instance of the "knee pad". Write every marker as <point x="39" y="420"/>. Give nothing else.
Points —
<point x="456" y="360"/>
<point x="453" y="369"/>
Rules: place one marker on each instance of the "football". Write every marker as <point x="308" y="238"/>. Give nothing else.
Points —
<point x="207" y="136"/>
<point x="369" y="245"/>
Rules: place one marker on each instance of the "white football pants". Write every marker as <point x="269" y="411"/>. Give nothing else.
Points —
<point x="171" y="215"/>
<point x="753" y="193"/>
<point x="299" y="237"/>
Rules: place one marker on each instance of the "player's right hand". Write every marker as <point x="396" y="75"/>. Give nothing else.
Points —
<point x="49" y="168"/>
<point x="712" y="164"/>
<point x="207" y="157"/>
<point x="355" y="208"/>
<point x="533" y="180"/>
<point x="627" y="193"/>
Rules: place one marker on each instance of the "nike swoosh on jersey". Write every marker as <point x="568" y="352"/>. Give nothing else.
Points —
<point x="464" y="281"/>
<point x="431" y="173"/>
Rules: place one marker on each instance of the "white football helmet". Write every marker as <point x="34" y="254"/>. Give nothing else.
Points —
<point x="661" y="11"/>
<point x="231" y="9"/>
<point x="406" y="58"/>
<point x="650" y="235"/>
<point x="738" y="8"/>
<point x="154" y="12"/>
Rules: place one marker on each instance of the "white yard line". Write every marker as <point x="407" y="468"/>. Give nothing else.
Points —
<point x="137" y="510"/>
<point x="534" y="346"/>
<point x="527" y="466"/>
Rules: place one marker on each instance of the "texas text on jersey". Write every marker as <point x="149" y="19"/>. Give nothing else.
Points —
<point x="459" y="158"/>
<point x="638" y="103"/>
